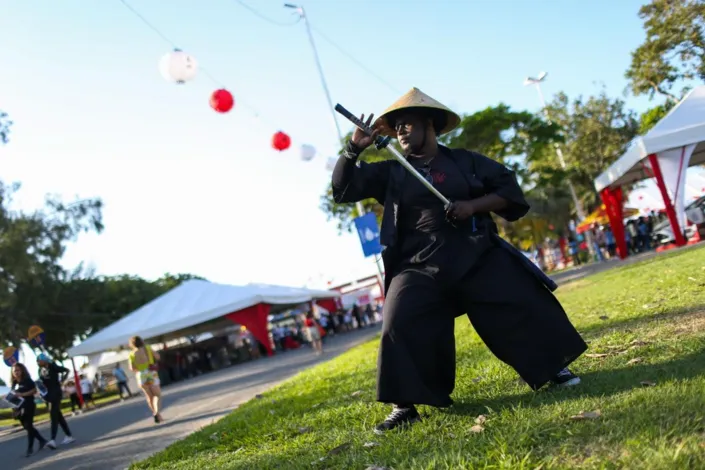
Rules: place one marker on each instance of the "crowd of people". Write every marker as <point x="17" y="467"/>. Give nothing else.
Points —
<point x="573" y="250"/>
<point x="300" y="330"/>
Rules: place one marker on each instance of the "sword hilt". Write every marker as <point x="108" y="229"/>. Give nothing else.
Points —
<point x="380" y="142"/>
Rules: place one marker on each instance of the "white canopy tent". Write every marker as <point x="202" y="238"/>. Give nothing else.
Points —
<point x="676" y="142"/>
<point x="193" y="307"/>
<point x="684" y="125"/>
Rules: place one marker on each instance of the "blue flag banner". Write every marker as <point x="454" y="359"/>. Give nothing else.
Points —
<point x="368" y="231"/>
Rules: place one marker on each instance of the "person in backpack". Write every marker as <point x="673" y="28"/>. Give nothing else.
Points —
<point x="143" y="362"/>
<point x="443" y="262"/>
<point x="24" y="388"/>
<point x="52" y="375"/>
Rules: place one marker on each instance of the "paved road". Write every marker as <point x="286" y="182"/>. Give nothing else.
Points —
<point x="115" y="436"/>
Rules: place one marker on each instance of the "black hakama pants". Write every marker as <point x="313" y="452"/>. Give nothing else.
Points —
<point x="517" y="317"/>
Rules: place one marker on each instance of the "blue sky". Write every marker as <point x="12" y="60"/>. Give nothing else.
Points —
<point x="190" y="190"/>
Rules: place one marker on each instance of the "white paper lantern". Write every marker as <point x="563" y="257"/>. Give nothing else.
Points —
<point x="178" y="67"/>
<point x="330" y="164"/>
<point x="307" y="152"/>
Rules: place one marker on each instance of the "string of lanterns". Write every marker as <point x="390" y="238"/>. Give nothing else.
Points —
<point x="179" y="67"/>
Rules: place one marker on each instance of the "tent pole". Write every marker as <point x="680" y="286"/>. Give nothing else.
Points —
<point x="613" y="206"/>
<point x="77" y="384"/>
<point x="670" y="210"/>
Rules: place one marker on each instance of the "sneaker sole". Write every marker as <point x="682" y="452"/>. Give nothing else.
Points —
<point x="571" y="383"/>
<point x="408" y="423"/>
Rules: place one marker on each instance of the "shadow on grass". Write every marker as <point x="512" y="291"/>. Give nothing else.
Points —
<point x="602" y="383"/>
<point x="599" y="329"/>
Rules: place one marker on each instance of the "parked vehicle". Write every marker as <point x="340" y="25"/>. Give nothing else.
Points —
<point x="663" y="233"/>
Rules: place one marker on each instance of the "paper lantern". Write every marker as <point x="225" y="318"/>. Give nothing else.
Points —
<point x="178" y="66"/>
<point x="222" y="100"/>
<point x="330" y="164"/>
<point x="281" y="141"/>
<point x="307" y="152"/>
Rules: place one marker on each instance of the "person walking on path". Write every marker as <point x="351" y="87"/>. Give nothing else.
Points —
<point x="313" y="333"/>
<point x="52" y="376"/>
<point x="143" y="362"/>
<point x="24" y="387"/>
<point x="443" y="262"/>
<point x="121" y="378"/>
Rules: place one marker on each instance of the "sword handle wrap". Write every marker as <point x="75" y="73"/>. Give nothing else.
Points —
<point x="380" y="142"/>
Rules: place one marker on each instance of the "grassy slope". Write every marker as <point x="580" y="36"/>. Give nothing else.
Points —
<point x="655" y="313"/>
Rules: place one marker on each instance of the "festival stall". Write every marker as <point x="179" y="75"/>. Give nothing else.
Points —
<point x="599" y="216"/>
<point x="195" y="307"/>
<point x="676" y="142"/>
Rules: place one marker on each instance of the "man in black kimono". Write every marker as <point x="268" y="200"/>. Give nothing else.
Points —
<point x="443" y="262"/>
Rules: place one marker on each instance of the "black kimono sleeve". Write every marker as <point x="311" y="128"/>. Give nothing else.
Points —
<point x="61" y="372"/>
<point x="355" y="180"/>
<point x="500" y="180"/>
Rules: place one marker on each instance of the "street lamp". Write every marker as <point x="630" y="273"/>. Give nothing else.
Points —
<point x="536" y="81"/>
<point x="302" y="13"/>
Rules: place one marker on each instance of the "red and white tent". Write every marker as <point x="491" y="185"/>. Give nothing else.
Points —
<point x="676" y="142"/>
<point x="198" y="306"/>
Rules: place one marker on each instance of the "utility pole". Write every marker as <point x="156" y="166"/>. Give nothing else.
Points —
<point x="574" y="195"/>
<point x="302" y="13"/>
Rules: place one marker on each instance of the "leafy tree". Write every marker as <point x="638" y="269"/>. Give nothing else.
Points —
<point x="88" y="303"/>
<point x="501" y="133"/>
<point x="31" y="247"/>
<point x="596" y="131"/>
<point x="652" y="116"/>
<point x="168" y="281"/>
<point x="674" y="49"/>
<point x="512" y="138"/>
<point x="5" y="124"/>
<point x="2" y="383"/>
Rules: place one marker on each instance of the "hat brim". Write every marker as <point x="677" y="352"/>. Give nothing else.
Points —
<point x="452" y="120"/>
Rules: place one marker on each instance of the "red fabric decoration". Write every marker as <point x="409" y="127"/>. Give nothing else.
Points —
<point x="614" y="206"/>
<point x="222" y="101"/>
<point x="329" y="304"/>
<point x="254" y="319"/>
<point x="281" y="141"/>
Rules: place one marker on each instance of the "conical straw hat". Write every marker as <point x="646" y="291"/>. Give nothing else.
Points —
<point x="415" y="98"/>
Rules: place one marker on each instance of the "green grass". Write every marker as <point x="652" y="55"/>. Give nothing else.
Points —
<point x="652" y="330"/>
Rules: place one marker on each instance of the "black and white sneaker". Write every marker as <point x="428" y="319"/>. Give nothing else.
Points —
<point x="398" y="417"/>
<point x="565" y="378"/>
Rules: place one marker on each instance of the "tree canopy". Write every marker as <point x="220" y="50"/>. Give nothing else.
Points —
<point x="36" y="290"/>
<point x="5" y="124"/>
<point x="596" y="131"/>
<point x="31" y="247"/>
<point x="673" y="53"/>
